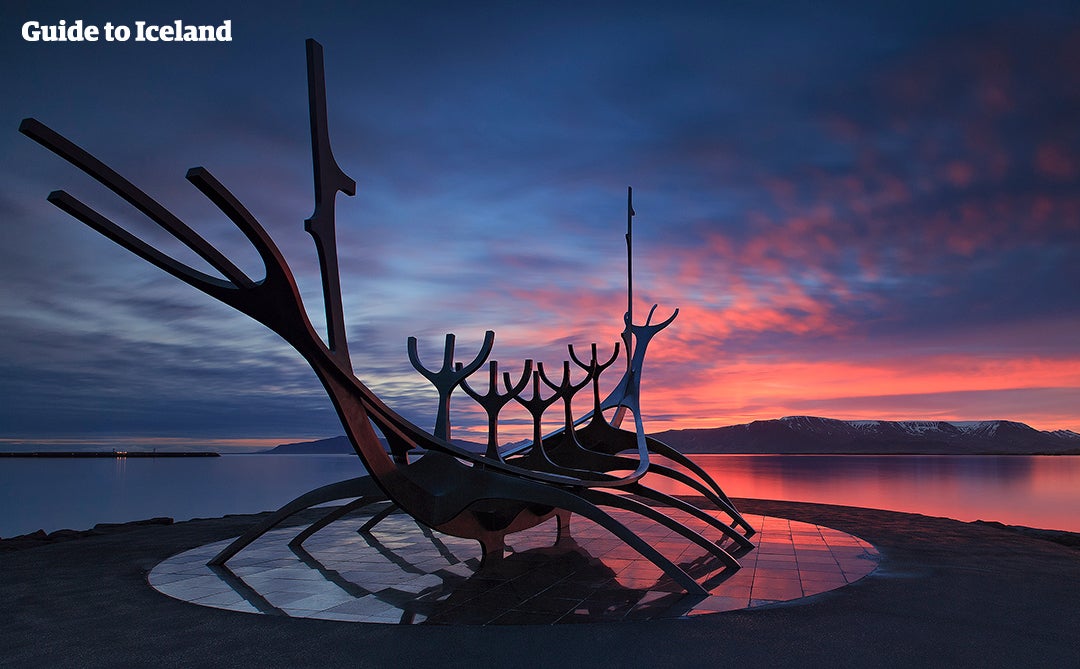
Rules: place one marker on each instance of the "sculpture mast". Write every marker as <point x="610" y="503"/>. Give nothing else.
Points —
<point x="629" y="271"/>
<point x="627" y="333"/>
<point x="329" y="181"/>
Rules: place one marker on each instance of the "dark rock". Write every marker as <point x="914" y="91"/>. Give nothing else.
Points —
<point x="40" y="537"/>
<point x="1070" y="539"/>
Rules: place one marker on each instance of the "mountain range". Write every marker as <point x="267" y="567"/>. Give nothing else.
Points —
<point x="811" y="434"/>
<point x="339" y="445"/>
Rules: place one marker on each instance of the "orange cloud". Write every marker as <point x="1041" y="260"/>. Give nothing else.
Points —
<point x="726" y="391"/>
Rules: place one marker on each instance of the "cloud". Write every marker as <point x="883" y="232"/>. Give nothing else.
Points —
<point x="858" y="211"/>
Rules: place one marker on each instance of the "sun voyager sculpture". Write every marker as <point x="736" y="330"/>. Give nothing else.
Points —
<point x="587" y="467"/>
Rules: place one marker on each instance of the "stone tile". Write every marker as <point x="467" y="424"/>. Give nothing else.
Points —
<point x="821" y="567"/>
<point x="363" y="606"/>
<point x="368" y="579"/>
<point x="815" y="557"/>
<point x="716" y="603"/>
<point x="815" y="586"/>
<point x="164" y="578"/>
<point x="221" y="599"/>
<point x="322" y="601"/>
<point x="734" y="587"/>
<point x="285" y="597"/>
<point x="776" y="588"/>
<point x="770" y="560"/>
<point x="549" y="605"/>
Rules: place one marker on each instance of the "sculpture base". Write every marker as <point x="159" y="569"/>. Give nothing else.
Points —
<point x="403" y="574"/>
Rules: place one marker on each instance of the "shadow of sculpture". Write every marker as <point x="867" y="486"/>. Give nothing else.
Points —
<point x="397" y="578"/>
<point x="447" y="488"/>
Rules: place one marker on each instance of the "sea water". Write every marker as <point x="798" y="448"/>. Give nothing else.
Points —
<point x="51" y="494"/>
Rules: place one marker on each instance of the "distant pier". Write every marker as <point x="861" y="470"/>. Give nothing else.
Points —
<point x="110" y="454"/>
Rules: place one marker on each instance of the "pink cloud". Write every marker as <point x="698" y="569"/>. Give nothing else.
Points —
<point x="730" y="390"/>
<point x="1055" y="162"/>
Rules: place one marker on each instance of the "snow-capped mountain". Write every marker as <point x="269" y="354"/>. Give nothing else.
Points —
<point x="811" y="434"/>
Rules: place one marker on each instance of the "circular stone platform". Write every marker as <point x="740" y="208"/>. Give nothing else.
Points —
<point x="401" y="573"/>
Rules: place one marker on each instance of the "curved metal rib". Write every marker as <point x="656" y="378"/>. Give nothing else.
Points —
<point x="377" y="518"/>
<point x="335" y="514"/>
<point x="686" y="507"/>
<point x="722" y="500"/>
<point x="362" y="486"/>
<point x="575" y="503"/>
<point x="623" y="502"/>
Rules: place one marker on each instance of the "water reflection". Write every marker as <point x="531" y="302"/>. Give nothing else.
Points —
<point x="1038" y="491"/>
<point x="55" y="493"/>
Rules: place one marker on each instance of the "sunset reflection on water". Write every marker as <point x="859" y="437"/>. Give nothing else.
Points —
<point x="1036" y="491"/>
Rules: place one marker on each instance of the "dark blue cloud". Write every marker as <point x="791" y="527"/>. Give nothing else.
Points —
<point x="841" y="179"/>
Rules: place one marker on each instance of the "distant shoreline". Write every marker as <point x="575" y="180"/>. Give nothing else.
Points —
<point x="691" y="452"/>
<point x="812" y="435"/>
<point x="109" y="454"/>
<point x="41" y="537"/>
<point x="1023" y="454"/>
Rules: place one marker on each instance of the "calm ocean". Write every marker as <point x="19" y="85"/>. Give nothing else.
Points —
<point x="1038" y="491"/>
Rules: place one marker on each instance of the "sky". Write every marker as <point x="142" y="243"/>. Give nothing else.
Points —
<point x="861" y="210"/>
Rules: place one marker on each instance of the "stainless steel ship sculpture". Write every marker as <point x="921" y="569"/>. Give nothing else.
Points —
<point x="589" y="465"/>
